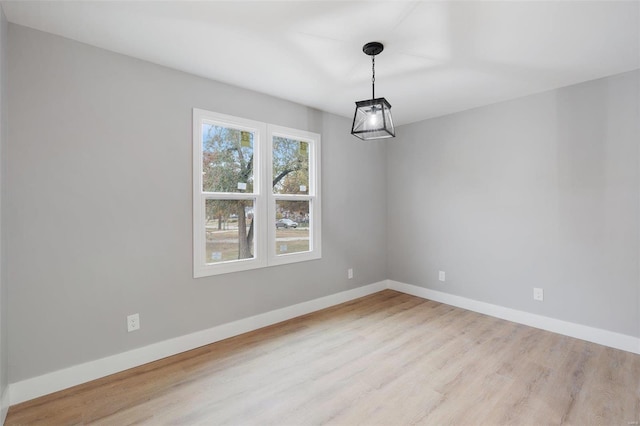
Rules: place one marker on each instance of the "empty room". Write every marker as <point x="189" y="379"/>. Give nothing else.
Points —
<point x="320" y="212"/>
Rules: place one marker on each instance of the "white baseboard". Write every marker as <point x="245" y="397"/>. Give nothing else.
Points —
<point x="82" y="373"/>
<point x="579" y="331"/>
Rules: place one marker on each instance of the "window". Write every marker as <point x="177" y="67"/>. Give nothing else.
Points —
<point x="256" y="198"/>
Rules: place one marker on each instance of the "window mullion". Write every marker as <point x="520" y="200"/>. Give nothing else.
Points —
<point x="295" y="197"/>
<point x="228" y="195"/>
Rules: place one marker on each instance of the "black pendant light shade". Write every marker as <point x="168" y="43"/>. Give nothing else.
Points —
<point x="372" y="119"/>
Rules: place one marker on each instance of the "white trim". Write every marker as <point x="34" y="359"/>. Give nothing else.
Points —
<point x="82" y="373"/>
<point x="579" y="331"/>
<point x="4" y="404"/>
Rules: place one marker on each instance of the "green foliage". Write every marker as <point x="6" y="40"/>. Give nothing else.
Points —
<point x="227" y="160"/>
<point x="290" y="166"/>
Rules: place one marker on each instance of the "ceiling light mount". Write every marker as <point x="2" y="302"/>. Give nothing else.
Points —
<point x="372" y="119"/>
<point x="373" y="48"/>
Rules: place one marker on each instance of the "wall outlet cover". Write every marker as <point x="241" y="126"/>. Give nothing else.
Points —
<point x="133" y="322"/>
<point x="538" y="294"/>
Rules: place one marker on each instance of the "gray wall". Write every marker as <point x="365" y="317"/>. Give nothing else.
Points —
<point x="98" y="209"/>
<point x="4" y="353"/>
<point x="541" y="191"/>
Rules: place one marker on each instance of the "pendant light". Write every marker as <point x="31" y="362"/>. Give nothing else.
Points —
<point x="372" y="119"/>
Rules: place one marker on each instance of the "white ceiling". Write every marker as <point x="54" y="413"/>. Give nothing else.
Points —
<point x="440" y="56"/>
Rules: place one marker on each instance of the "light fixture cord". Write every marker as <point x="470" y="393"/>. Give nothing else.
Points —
<point x="373" y="76"/>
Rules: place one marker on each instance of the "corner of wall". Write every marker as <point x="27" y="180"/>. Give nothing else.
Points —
<point x="4" y="404"/>
<point x="4" y="386"/>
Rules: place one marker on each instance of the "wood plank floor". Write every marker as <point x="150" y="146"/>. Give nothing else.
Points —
<point x="386" y="359"/>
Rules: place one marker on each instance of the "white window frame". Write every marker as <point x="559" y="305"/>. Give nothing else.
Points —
<point x="315" y="208"/>
<point x="264" y="208"/>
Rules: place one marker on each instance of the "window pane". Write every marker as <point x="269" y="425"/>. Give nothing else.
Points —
<point x="227" y="159"/>
<point x="292" y="227"/>
<point x="290" y="166"/>
<point x="229" y="230"/>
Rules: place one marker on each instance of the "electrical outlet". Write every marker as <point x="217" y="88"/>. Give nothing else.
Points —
<point x="350" y="273"/>
<point x="133" y="322"/>
<point x="538" y="294"/>
<point x="441" y="275"/>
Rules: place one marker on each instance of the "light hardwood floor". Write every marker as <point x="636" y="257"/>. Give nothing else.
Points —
<point x="387" y="359"/>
